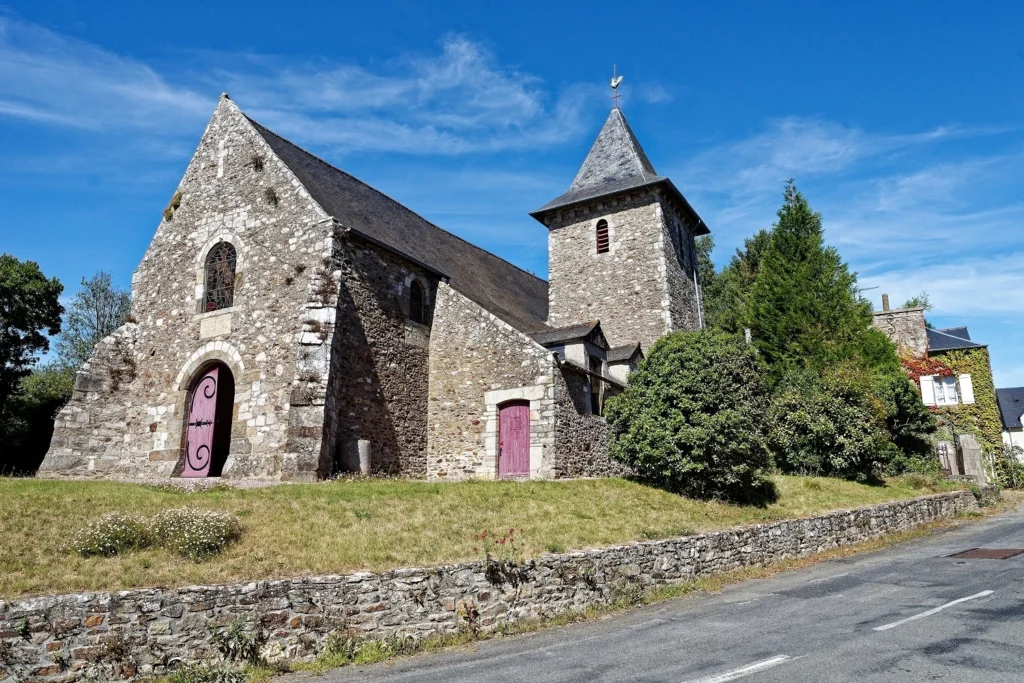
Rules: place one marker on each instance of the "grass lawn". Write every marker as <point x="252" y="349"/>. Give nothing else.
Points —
<point x="341" y="526"/>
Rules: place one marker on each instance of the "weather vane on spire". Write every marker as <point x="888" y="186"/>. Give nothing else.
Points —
<point x="616" y="81"/>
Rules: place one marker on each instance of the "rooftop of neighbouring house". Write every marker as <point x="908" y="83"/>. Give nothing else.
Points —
<point x="951" y="339"/>
<point x="1011" y="406"/>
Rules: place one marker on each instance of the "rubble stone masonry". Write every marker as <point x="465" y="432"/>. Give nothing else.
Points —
<point x="129" y="421"/>
<point x="640" y="288"/>
<point x="146" y="632"/>
<point x="477" y="361"/>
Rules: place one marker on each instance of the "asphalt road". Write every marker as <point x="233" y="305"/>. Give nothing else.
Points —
<point x="908" y="613"/>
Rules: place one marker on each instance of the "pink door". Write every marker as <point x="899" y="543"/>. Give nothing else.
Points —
<point x="514" y="439"/>
<point x="201" y="417"/>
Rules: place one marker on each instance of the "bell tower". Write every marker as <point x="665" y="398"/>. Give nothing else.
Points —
<point x="621" y="245"/>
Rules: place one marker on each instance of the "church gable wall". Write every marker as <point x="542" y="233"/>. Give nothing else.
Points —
<point x="236" y="190"/>
<point x="624" y="288"/>
<point x="477" y="362"/>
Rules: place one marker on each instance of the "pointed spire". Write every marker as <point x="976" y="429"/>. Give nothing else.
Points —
<point x="615" y="156"/>
<point x="616" y="162"/>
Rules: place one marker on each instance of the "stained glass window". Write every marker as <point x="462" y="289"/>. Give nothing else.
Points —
<point x="220" y="277"/>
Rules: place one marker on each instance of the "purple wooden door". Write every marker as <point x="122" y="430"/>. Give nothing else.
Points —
<point x="201" y="417"/>
<point x="514" y="439"/>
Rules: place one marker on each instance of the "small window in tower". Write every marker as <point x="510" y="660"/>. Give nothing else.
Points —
<point x="602" y="236"/>
<point x="417" y="303"/>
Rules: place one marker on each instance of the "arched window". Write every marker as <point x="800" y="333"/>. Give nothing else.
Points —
<point x="603" y="243"/>
<point x="220" y="277"/>
<point x="417" y="303"/>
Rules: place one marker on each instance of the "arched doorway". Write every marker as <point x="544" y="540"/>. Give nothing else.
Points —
<point x="514" y="439"/>
<point x="210" y="404"/>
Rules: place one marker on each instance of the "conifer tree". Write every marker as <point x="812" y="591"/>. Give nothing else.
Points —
<point x="803" y="309"/>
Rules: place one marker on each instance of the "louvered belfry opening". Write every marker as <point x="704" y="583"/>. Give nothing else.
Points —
<point x="602" y="236"/>
<point x="220" y="277"/>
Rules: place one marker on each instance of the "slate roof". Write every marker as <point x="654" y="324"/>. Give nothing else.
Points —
<point x="1011" y="406"/>
<point x="517" y="297"/>
<point x="564" y="334"/>
<point x="616" y="163"/>
<point x="623" y="353"/>
<point x="951" y="339"/>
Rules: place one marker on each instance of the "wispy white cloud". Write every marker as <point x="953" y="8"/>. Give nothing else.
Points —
<point x="53" y="79"/>
<point x="909" y="212"/>
<point x="458" y="100"/>
<point x="455" y="102"/>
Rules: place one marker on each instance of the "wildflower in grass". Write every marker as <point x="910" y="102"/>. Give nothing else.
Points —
<point x="193" y="532"/>
<point x="111" y="534"/>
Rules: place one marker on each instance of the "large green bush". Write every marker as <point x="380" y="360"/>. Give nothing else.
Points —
<point x="909" y="424"/>
<point x="691" y="420"/>
<point x="828" y="424"/>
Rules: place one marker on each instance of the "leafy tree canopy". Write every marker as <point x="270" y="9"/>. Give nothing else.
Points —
<point x="919" y="300"/>
<point x="97" y="310"/>
<point x="29" y="311"/>
<point x="692" y="419"/>
<point x="27" y="426"/>
<point x="726" y="298"/>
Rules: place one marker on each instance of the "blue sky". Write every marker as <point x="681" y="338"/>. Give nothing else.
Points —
<point x="901" y="122"/>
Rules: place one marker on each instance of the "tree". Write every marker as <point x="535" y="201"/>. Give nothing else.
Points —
<point x="29" y="311"/>
<point x="908" y="422"/>
<point x="919" y="300"/>
<point x="803" y="309"/>
<point x="28" y="424"/>
<point x="97" y="310"/>
<point x="692" y="419"/>
<point x="727" y="300"/>
<point x="828" y="424"/>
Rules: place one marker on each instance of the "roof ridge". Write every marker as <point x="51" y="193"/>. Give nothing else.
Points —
<point x="631" y="138"/>
<point x="392" y="199"/>
<point x="953" y="336"/>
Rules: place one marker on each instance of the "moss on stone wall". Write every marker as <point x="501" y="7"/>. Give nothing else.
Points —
<point x="980" y="418"/>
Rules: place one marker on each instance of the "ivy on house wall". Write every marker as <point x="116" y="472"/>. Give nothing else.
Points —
<point x="980" y="418"/>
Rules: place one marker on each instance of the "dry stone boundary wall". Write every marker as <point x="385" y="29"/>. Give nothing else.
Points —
<point x="144" y="632"/>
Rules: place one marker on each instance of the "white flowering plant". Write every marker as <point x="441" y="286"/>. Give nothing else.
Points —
<point x="112" y="534"/>
<point x="195" y="533"/>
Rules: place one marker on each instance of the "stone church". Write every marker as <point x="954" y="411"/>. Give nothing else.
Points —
<point x="291" y="322"/>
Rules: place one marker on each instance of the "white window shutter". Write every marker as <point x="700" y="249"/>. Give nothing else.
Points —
<point x="928" y="390"/>
<point x="966" y="389"/>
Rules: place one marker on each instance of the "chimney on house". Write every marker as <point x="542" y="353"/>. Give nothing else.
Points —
<point x="905" y="326"/>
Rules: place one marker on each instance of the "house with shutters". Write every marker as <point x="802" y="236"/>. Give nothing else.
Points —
<point x="291" y="322"/>
<point x="952" y="372"/>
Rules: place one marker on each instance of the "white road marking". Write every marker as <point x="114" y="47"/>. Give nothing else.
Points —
<point x="745" y="671"/>
<point x="930" y="612"/>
